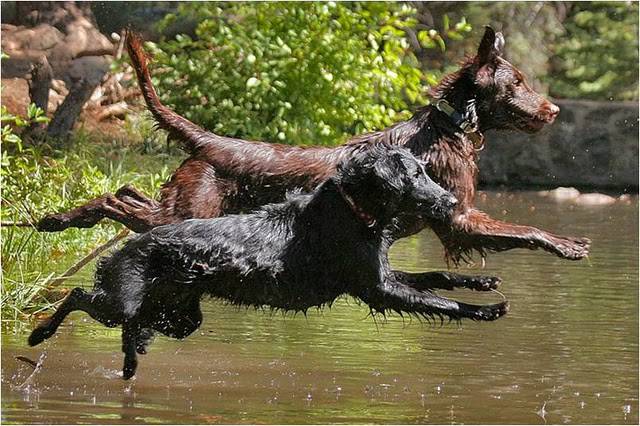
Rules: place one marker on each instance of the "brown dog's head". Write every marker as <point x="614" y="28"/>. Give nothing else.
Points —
<point x="504" y="99"/>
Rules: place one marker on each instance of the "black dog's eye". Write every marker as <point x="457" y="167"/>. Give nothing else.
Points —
<point x="518" y="82"/>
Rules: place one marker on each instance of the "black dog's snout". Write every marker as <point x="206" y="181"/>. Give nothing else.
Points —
<point x="450" y="202"/>
<point x="446" y="205"/>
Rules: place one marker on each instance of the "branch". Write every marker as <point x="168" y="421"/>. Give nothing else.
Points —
<point x="88" y="258"/>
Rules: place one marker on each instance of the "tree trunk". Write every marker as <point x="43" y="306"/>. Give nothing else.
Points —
<point x="40" y="83"/>
<point x="75" y="59"/>
<point x="39" y="86"/>
<point x="67" y="113"/>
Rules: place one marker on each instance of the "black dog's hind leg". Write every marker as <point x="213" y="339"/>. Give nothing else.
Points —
<point x="91" y="303"/>
<point x="144" y="339"/>
<point x="130" y="332"/>
<point x="446" y="281"/>
<point x="178" y="323"/>
<point x="394" y="296"/>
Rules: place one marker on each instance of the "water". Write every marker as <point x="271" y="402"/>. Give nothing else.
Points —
<point x="566" y="353"/>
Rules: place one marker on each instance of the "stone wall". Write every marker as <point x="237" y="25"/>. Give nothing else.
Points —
<point x="591" y="145"/>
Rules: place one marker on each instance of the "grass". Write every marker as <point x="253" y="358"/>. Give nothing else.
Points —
<point x="39" y="180"/>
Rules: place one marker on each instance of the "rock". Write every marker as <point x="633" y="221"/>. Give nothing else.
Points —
<point x="90" y="68"/>
<point x="15" y="95"/>
<point x="594" y="199"/>
<point x="561" y="194"/>
<point x="18" y="39"/>
<point x="591" y="143"/>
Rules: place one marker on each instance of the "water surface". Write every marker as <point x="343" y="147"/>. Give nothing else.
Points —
<point x="566" y="353"/>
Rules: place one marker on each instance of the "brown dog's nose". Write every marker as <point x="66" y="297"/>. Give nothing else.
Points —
<point x="549" y="111"/>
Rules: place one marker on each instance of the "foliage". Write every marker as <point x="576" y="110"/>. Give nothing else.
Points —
<point x="598" y="58"/>
<point x="294" y="72"/>
<point x="36" y="180"/>
<point x="572" y="49"/>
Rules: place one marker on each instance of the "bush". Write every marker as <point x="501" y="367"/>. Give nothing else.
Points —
<point x="298" y="73"/>
<point x="598" y="57"/>
<point x="36" y="180"/>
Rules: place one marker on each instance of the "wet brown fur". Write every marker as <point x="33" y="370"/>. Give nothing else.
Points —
<point x="225" y="175"/>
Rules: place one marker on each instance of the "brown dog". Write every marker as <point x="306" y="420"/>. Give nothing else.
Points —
<point x="225" y="175"/>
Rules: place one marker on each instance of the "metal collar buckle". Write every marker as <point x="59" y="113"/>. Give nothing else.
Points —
<point x="468" y="128"/>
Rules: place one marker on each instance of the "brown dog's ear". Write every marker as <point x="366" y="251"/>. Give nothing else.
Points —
<point x="485" y="50"/>
<point x="491" y="47"/>
<point x="498" y="45"/>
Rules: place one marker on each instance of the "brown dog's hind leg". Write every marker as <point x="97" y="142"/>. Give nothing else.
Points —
<point x="128" y="206"/>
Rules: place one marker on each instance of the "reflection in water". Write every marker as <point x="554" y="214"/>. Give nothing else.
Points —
<point x="566" y="353"/>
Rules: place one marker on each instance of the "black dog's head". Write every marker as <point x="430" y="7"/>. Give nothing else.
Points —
<point x="385" y="181"/>
<point x="504" y="99"/>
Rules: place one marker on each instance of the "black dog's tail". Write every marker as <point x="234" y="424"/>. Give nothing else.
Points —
<point x="192" y="136"/>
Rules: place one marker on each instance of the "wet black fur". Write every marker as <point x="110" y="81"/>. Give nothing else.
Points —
<point x="302" y="253"/>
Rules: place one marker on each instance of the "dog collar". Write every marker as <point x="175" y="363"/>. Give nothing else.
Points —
<point x="367" y="218"/>
<point x="467" y="123"/>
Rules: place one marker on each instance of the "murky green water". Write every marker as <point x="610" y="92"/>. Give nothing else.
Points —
<point x="566" y="353"/>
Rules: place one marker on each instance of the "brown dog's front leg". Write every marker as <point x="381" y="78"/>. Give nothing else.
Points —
<point x="476" y="229"/>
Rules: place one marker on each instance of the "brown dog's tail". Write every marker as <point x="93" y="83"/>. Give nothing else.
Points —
<point x="189" y="134"/>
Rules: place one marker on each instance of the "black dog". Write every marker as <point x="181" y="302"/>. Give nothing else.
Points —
<point x="302" y="253"/>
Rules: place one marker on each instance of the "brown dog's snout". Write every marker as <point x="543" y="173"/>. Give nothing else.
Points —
<point x="549" y="111"/>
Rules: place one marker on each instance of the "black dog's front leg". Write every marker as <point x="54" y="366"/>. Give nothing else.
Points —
<point x="446" y="281"/>
<point x="395" y="296"/>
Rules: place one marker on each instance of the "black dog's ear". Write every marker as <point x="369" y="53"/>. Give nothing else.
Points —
<point x="491" y="47"/>
<point x="389" y="170"/>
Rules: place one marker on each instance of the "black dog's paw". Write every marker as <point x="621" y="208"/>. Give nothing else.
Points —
<point x="52" y="223"/>
<point x="129" y="368"/>
<point x="40" y="334"/>
<point x="482" y="283"/>
<point x="572" y="248"/>
<point x="491" y="312"/>
<point x="128" y="373"/>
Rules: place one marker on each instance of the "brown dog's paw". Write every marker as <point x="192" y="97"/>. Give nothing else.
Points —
<point x="573" y="248"/>
<point x="52" y="223"/>
<point x="482" y="283"/>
